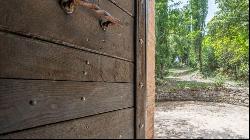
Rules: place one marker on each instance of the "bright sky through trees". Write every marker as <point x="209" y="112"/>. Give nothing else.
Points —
<point x="212" y="8"/>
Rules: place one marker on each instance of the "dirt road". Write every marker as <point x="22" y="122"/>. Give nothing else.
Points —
<point x="201" y="120"/>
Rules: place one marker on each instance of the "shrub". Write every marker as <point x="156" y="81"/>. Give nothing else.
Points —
<point x="219" y="80"/>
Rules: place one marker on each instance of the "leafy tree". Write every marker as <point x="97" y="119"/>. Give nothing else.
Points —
<point x="228" y="35"/>
<point x="220" y="47"/>
<point x="198" y="13"/>
<point x="162" y="50"/>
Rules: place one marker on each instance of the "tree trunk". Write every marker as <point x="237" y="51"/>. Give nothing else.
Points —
<point x="199" y="49"/>
<point x="161" y="70"/>
<point x="200" y="58"/>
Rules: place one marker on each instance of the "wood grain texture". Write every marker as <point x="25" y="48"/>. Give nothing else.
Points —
<point x="150" y="121"/>
<point x="29" y="59"/>
<point x="150" y="63"/>
<point x="140" y="69"/>
<point x="29" y="103"/>
<point x="127" y="6"/>
<point x="46" y="20"/>
<point x="112" y="125"/>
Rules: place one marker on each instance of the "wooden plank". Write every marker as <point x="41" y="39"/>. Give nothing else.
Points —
<point x="150" y="121"/>
<point x="46" y="20"/>
<point x="29" y="59"/>
<point x="150" y="63"/>
<point x="127" y="6"/>
<point x="112" y="125"/>
<point x="140" y="69"/>
<point x="29" y="103"/>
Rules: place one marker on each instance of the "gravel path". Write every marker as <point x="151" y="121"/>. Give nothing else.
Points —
<point x="200" y="120"/>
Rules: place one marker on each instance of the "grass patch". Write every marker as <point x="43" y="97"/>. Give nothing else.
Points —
<point x="192" y="85"/>
<point x="171" y="85"/>
<point x="180" y="72"/>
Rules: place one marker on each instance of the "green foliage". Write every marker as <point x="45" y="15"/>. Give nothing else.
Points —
<point x="224" y="47"/>
<point x="219" y="80"/>
<point x="210" y="63"/>
<point x="162" y="49"/>
<point x="229" y="37"/>
<point x="198" y="16"/>
<point x="179" y="32"/>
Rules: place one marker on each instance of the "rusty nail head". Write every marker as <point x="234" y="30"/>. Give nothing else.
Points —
<point x="85" y="73"/>
<point x="141" y="125"/>
<point x="141" y="41"/>
<point x="83" y="98"/>
<point x="141" y="85"/>
<point x="33" y="102"/>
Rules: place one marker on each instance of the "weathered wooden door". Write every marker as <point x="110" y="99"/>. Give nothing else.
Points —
<point x="64" y="76"/>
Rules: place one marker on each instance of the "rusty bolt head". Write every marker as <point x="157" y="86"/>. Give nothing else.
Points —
<point x="68" y="6"/>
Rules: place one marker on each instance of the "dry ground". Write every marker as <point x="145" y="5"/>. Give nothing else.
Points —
<point x="199" y="119"/>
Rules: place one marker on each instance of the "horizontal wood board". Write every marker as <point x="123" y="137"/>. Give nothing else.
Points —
<point x="29" y="103"/>
<point x="45" y="19"/>
<point x="25" y="58"/>
<point x="126" y="5"/>
<point x="58" y="48"/>
<point x="112" y="125"/>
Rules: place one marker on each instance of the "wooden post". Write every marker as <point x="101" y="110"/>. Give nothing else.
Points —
<point x="140" y="79"/>
<point x="150" y="69"/>
<point x="145" y="69"/>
